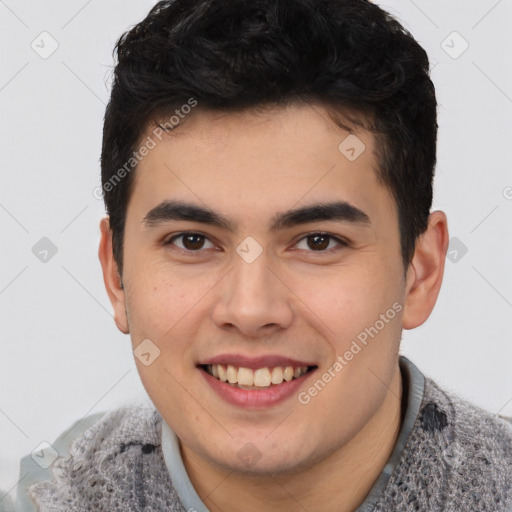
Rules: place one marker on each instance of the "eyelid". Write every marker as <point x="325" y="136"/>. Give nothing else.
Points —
<point x="341" y="241"/>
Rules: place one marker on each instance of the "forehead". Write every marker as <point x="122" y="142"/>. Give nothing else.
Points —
<point x="260" y="160"/>
<point x="282" y="128"/>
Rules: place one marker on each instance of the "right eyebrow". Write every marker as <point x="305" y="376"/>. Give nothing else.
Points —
<point x="179" y="210"/>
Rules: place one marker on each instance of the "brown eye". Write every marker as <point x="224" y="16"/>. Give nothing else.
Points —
<point x="192" y="242"/>
<point x="318" y="242"/>
<point x="321" y="242"/>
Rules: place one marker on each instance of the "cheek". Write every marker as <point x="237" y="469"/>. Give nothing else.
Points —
<point x="362" y="323"/>
<point x="160" y="309"/>
<point x="153" y="306"/>
<point x="347" y="300"/>
<point x="164" y="306"/>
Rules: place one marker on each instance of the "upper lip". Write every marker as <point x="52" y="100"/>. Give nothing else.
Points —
<point x="254" y="363"/>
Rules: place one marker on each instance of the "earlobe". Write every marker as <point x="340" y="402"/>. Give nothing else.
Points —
<point x="425" y="273"/>
<point x="111" y="277"/>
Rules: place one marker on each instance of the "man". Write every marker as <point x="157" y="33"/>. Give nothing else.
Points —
<point x="267" y="171"/>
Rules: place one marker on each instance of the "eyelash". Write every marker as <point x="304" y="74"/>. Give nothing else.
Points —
<point x="342" y="243"/>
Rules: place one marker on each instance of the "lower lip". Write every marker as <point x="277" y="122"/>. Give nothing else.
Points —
<point x="255" y="398"/>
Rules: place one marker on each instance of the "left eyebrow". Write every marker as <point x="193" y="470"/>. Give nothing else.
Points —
<point x="341" y="211"/>
<point x="338" y="211"/>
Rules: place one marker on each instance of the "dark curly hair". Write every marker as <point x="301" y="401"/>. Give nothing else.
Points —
<point x="347" y="55"/>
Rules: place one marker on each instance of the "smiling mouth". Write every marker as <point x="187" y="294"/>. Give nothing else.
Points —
<point x="260" y="378"/>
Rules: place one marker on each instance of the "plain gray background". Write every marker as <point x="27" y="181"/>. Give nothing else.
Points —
<point x="61" y="354"/>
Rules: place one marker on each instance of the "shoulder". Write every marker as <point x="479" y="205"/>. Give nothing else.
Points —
<point x="469" y="424"/>
<point x="102" y="462"/>
<point x="475" y="448"/>
<point x="457" y="456"/>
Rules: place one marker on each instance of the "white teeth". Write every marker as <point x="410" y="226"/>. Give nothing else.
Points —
<point x="246" y="377"/>
<point x="261" y="378"/>
<point x="288" y="373"/>
<point x="277" y="375"/>
<point x="222" y="372"/>
<point x="232" y="374"/>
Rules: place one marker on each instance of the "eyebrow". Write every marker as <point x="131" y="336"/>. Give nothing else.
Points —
<point x="341" y="211"/>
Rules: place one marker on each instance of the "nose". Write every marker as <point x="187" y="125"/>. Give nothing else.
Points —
<point x="253" y="300"/>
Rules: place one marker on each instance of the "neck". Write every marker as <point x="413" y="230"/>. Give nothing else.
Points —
<point x="338" y="483"/>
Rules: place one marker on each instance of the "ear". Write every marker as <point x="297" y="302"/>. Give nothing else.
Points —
<point x="425" y="272"/>
<point x="111" y="276"/>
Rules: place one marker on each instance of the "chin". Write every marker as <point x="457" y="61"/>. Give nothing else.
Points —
<point x="254" y="459"/>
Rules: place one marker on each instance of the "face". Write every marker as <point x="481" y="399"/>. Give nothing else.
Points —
<point x="265" y="279"/>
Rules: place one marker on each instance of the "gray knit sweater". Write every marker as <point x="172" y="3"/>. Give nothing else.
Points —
<point x="452" y="457"/>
